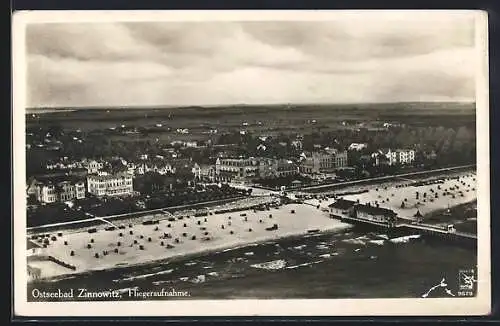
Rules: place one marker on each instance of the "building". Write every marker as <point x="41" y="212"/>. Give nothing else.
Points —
<point x="322" y="162"/>
<point x="93" y="166"/>
<point x="341" y="207"/>
<point x="398" y="156"/>
<point x="357" y="146"/>
<point x="57" y="189"/>
<point x="375" y="214"/>
<point x="229" y="169"/>
<point x="157" y="167"/>
<point x="62" y="165"/>
<point x="272" y="168"/>
<point x="206" y="173"/>
<point x="297" y="144"/>
<point x="119" y="184"/>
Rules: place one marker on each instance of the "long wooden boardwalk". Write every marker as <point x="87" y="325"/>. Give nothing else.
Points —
<point x="412" y="228"/>
<point x="436" y="229"/>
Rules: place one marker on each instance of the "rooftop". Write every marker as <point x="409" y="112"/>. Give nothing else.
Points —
<point x="375" y="210"/>
<point x="342" y="204"/>
<point x="109" y="176"/>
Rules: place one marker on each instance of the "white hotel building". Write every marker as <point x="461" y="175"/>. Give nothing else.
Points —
<point x="397" y="156"/>
<point x="401" y="156"/>
<point x="62" y="191"/>
<point x="104" y="184"/>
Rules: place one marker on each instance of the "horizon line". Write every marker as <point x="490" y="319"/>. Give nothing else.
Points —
<point x="168" y="106"/>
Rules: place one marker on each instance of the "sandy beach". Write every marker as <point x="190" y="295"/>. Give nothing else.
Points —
<point x="426" y="198"/>
<point x="181" y="233"/>
<point x="451" y="190"/>
<point x="190" y="235"/>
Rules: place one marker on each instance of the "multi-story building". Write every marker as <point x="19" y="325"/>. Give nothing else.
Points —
<point x="398" y="156"/>
<point x="206" y="172"/>
<point x="93" y="166"/>
<point x="320" y="162"/>
<point x="46" y="193"/>
<point x="51" y="191"/>
<point x="272" y="168"/>
<point x="103" y="184"/>
<point x="228" y="169"/>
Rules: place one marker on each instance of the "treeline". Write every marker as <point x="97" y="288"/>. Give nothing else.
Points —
<point x="455" y="145"/>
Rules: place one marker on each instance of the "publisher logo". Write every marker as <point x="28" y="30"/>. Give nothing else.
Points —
<point x="466" y="282"/>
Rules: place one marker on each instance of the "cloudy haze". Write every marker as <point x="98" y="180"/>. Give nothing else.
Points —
<point x="363" y="59"/>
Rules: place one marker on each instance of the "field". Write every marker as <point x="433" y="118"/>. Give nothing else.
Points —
<point x="270" y="120"/>
<point x="159" y="241"/>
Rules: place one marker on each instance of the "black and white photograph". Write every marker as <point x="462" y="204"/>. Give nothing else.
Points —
<point x="251" y="163"/>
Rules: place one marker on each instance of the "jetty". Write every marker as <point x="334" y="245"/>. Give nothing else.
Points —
<point x="427" y="231"/>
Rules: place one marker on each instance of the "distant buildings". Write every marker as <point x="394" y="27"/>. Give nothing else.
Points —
<point x="157" y="166"/>
<point x="357" y="146"/>
<point x="297" y="144"/>
<point x="119" y="184"/>
<point x="182" y="131"/>
<point x="93" y="166"/>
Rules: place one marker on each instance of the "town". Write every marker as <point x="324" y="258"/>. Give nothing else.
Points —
<point x="71" y="173"/>
<point x="87" y="186"/>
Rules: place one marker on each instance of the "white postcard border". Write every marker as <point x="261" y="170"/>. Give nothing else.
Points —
<point x="479" y="305"/>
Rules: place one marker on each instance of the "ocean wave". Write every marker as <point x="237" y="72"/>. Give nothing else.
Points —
<point x="354" y="241"/>
<point x="377" y="242"/>
<point x="299" y="247"/>
<point x="198" y="279"/>
<point x="271" y="265"/>
<point x="161" y="282"/>
<point x="143" y="276"/>
<point x="405" y="238"/>
<point x="305" y="264"/>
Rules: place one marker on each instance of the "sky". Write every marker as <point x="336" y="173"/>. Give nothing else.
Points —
<point x="362" y="59"/>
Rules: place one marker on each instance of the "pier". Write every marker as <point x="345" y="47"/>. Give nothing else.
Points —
<point x="404" y="228"/>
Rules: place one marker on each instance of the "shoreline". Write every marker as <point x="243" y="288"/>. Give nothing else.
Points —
<point x="189" y="255"/>
<point x="307" y="218"/>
